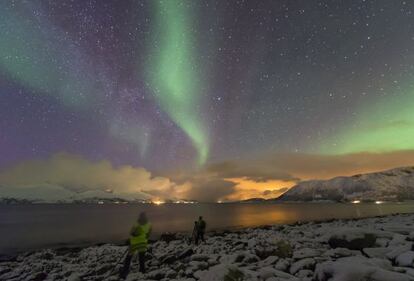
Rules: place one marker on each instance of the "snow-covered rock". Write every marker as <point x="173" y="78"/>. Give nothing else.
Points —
<point x="405" y="259"/>
<point x="356" y="268"/>
<point x="308" y="263"/>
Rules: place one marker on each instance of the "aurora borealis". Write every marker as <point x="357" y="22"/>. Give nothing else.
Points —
<point x="174" y="76"/>
<point x="387" y="125"/>
<point x="220" y="95"/>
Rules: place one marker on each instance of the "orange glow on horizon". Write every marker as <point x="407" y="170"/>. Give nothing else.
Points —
<point x="158" y="202"/>
<point x="247" y="188"/>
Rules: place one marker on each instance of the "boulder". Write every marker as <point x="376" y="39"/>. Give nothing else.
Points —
<point x="340" y="253"/>
<point x="305" y="253"/>
<point x="266" y="272"/>
<point x="269" y="261"/>
<point x="39" y="277"/>
<point x="168" y="259"/>
<point x="156" y="274"/>
<point x="186" y="253"/>
<point x="305" y="274"/>
<point x="281" y="249"/>
<point x="168" y="237"/>
<point x="221" y="272"/>
<point x="308" y="263"/>
<point x="170" y="274"/>
<point x="353" y="239"/>
<point x="284" y="275"/>
<point x="398" y="239"/>
<point x="356" y="268"/>
<point x="282" y="265"/>
<point x="396" y="251"/>
<point x="405" y="259"/>
<point x="376" y="252"/>
<point x="199" y="257"/>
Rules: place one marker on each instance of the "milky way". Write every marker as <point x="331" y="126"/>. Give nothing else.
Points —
<point x="167" y="84"/>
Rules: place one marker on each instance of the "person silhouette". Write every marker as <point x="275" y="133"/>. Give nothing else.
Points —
<point x="138" y="243"/>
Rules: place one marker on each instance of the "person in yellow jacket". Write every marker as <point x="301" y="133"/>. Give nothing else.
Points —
<point x="138" y="243"/>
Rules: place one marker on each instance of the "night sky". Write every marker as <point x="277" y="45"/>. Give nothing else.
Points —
<point x="192" y="85"/>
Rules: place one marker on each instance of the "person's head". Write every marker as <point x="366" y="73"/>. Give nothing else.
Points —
<point x="200" y="218"/>
<point x="195" y="222"/>
<point x="142" y="219"/>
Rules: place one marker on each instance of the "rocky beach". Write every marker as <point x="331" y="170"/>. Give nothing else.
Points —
<point x="374" y="249"/>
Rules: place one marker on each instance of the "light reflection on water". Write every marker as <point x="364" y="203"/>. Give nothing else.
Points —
<point x="33" y="226"/>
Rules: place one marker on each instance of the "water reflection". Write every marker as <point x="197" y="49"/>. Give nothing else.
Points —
<point x="32" y="226"/>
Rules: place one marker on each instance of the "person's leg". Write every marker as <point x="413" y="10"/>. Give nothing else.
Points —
<point x="141" y="257"/>
<point x="202" y="236"/>
<point x="125" y="268"/>
<point x="197" y="237"/>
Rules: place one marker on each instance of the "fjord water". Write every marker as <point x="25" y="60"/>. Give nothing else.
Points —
<point x="28" y="227"/>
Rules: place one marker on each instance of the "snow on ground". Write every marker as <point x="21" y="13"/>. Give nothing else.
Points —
<point x="374" y="249"/>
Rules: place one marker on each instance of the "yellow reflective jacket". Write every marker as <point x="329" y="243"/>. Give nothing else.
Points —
<point x="138" y="241"/>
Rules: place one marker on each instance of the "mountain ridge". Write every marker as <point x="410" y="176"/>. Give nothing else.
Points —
<point x="395" y="184"/>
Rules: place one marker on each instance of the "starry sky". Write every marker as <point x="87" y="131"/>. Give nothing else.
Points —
<point x="191" y="89"/>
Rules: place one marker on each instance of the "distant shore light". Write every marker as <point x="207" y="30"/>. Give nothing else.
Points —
<point x="356" y="202"/>
<point x="158" y="202"/>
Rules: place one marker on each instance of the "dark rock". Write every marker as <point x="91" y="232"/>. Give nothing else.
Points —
<point x="251" y="259"/>
<point x="282" y="249"/>
<point x="308" y="263"/>
<point x="180" y="267"/>
<point x="239" y="258"/>
<point x="104" y="268"/>
<point x="266" y="227"/>
<point x="200" y="257"/>
<point x="368" y="241"/>
<point x="8" y="258"/>
<point x="156" y="275"/>
<point x="4" y="270"/>
<point x="47" y="256"/>
<point x="171" y="274"/>
<point x="186" y="253"/>
<point x="222" y="233"/>
<point x="39" y="276"/>
<point x="168" y="259"/>
<point x="67" y="250"/>
<point x="234" y="274"/>
<point x="168" y="237"/>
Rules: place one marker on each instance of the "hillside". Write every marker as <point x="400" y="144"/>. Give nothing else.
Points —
<point x="49" y="193"/>
<point x="391" y="185"/>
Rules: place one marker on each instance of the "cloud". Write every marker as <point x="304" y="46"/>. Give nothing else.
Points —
<point x="252" y="170"/>
<point x="75" y="173"/>
<point x="300" y="166"/>
<point x="265" y="176"/>
<point x="271" y="175"/>
<point x="247" y="188"/>
<point x="211" y="191"/>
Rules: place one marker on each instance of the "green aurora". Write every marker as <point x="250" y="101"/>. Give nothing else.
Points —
<point x="173" y="71"/>
<point x="387" y="125"/>
<point x="41" y="63"/>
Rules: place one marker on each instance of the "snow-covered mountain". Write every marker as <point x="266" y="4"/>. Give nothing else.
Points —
<point x="395" y="184"/>
<point x="50" y="193"/>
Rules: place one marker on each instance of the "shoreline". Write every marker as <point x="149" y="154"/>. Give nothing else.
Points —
<point x="179" y="234"/>
<point x="299" y="251"/>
